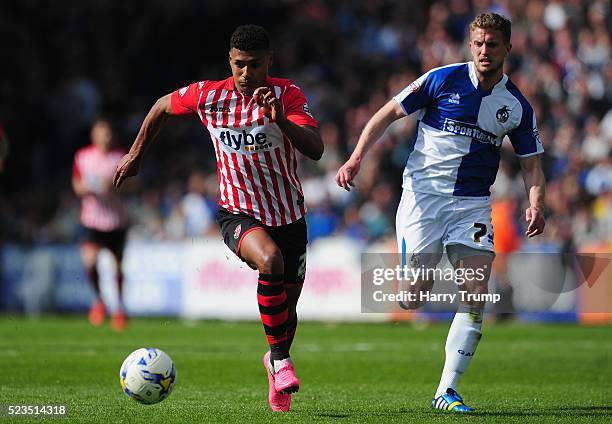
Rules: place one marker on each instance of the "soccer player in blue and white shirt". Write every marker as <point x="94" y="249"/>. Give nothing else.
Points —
<point x="464" y="112"/>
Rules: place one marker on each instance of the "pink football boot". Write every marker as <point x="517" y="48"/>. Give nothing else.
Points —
<point x="279" y="402"/>
<point x="285" y="380"/>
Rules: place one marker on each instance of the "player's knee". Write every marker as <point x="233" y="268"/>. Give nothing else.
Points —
<point x="89" y="255"/>
<point x="270" y="261"/>
<point x="90" y="262"/>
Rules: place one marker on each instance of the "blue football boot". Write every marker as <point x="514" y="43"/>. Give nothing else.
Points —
<point x="450" y="401"/>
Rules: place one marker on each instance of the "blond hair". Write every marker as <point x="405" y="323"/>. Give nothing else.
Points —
<point x="493" y="21"/>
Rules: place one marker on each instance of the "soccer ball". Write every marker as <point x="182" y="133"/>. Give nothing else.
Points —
<point x="147" y="375"/>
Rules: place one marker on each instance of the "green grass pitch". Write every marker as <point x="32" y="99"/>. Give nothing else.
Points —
<point x="350" y="373"/>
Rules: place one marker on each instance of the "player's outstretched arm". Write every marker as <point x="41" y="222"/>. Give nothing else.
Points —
<point x="373" y="130"/>
<point x="130" y="163"/>
<point x="533" y="176"/>
<point x="305" y="139"/>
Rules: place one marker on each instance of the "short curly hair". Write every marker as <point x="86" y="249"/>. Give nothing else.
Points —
<point x="494" y="21"/>
<point x="249" y="38"/>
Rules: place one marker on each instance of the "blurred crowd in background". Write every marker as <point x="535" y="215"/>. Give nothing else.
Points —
<point x="71" y="61"/>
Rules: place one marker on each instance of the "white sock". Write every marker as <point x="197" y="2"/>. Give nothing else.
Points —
<point x="278" y="364"/>
<point x="463" y="337"/>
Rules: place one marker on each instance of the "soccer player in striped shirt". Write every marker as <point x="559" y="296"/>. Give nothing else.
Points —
<point x="464" y="112"/>
<point x="256" y="123"/>
<point x="102" y="214"/>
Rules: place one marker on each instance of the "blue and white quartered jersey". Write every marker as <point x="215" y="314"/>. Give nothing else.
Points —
<point x="460" y="130"/>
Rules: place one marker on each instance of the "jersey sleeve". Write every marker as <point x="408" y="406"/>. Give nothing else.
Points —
<point x="296" y="107"/>
<point x="525" y="138"/>
<point x="419" y="94"/>
<point x="185" y="100"/>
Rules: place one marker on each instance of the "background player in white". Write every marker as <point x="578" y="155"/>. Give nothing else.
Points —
<point x="102" y="215"/>
<point x="464" y="112"/>
<point x="256" y="123"/>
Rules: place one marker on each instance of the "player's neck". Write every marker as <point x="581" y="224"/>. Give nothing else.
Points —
<point x="242" y="93"/>
<point x="101" y="149"/>
<point x="488" y="82"/>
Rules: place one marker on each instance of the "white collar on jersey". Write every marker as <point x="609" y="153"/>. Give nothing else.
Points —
<point x="474" y="79"/>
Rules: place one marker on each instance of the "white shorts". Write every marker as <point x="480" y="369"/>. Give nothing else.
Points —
<point x="428" y="223"/>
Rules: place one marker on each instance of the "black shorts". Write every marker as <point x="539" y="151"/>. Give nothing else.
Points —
<point x="291" y="239"/>
<point x="111" y="240"/>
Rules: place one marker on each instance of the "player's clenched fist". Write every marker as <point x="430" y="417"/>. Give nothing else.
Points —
<point x="269" y="103"/>
<point x="128" y="167"/>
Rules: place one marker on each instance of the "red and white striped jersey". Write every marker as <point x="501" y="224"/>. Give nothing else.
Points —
<point x="102" y="209"/>
<point x="256" y="162"/>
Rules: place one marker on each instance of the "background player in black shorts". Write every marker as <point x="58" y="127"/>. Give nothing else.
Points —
<point x="102" y="215"/>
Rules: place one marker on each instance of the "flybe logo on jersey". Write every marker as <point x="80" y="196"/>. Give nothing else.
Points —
<point x="470" y="130"/>
<point x="250" y="142"/>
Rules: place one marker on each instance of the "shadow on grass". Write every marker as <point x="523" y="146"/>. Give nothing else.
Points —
<point x="585" y="408"/>
<point x="563" y="411"/>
